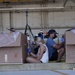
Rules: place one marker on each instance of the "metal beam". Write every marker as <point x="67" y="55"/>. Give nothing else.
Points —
<point x="36" y="8"/>
<point x="64" y="27"/>
<point x="65" y="3"/>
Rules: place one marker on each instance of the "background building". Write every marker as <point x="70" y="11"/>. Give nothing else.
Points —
<point x="42" y="14"/>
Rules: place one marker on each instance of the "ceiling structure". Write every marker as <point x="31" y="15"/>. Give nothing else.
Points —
<point x="26" y="1"/>
<point x="10" y="2"/>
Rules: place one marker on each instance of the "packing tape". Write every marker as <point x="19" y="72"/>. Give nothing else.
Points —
<point x="6" y="58"/>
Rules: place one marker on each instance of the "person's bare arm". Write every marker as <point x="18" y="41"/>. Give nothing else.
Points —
<point x="58" y="46"/>
<point x="33" y="55"/>
<point x="42" y="50"/>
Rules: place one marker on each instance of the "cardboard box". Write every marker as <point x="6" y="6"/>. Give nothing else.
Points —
<point x="13" y="48"/>
<point x="70" y="47"/>
<point x="70" y="38"/>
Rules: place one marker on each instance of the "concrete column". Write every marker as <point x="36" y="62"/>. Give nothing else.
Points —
<point x="1" y="25"/>
<point x="6" y="21"/>
<point x="44" y="19"/>
<point x="10" y="18"/>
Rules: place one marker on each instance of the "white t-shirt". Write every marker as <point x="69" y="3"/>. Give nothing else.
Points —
<point x="45" y="57"/>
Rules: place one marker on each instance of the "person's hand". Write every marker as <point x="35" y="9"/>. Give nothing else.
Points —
<point x="28" y="50"/>
<point x="62" y="39"/>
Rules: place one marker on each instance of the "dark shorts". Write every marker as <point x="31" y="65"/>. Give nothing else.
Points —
<point x="41" y="61"/>
<point x="54" y="56"/>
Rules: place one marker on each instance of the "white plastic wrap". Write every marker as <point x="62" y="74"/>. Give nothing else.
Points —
<point x="6" y="39"/>
<point x="73" y="30"/>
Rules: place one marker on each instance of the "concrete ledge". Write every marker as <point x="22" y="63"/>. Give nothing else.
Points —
<point x="34" y="66"/>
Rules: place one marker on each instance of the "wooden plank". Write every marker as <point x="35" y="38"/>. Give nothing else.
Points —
<point x="9" y="0"/>
<point x="14" y="0"/>
<point x="1" y="0"/>
<point x="6" y="0"/>
<point x="24" y="0"/>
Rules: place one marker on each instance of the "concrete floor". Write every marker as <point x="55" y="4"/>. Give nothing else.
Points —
<point x="37" y="66"/>
<point x="40" y="72"/>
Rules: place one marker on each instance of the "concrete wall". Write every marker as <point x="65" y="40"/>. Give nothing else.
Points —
<point x="39" y="20"/>
<point x="61" y="19"/>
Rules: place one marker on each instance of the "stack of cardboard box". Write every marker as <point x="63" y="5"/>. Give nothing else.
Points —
<point x="13" y="48"/>
<point x="70" y="47"/>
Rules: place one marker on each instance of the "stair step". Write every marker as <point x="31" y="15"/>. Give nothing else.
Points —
<point x="34" y="66"/>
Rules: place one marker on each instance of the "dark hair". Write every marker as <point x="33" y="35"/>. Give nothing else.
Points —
<point x="51" y="32"/>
